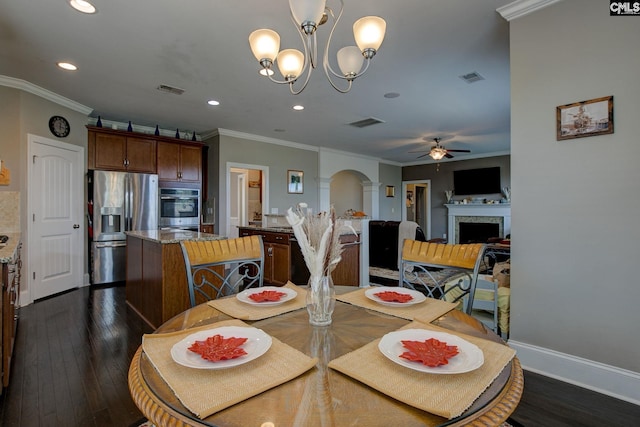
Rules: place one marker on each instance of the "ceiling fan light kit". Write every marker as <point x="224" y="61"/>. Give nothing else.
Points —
<point x="307" y="15"/>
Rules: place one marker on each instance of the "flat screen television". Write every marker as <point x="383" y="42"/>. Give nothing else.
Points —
<point x="476" y="181"/>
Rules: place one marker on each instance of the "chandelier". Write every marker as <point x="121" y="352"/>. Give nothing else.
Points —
<point x="307" y="15"/>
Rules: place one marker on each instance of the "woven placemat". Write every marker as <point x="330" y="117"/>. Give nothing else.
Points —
<point x="240" y="310"/>
<point x="445" y="395"/>
<point x="426" y="311"/>
<point x="205" y="392"/>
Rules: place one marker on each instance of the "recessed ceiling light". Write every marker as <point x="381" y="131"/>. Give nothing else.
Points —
<point x="82" y="6"/>
<point x="298" y="107"/>
<point x="67" y="66"/>
<point x="391" y="95"/>
<point x="213" y="102"/>
<point x="265" y="72"/>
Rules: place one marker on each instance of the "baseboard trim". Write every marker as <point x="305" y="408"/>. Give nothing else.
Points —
<point x="599" y="377"/>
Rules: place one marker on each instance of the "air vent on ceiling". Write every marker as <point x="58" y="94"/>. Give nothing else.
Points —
<point x="366" y="122"/>
<point x="170" y="89"/>
<point x="471" y="77"/>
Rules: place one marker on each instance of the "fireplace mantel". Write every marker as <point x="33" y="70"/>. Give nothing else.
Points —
<point x="478" y="211"/>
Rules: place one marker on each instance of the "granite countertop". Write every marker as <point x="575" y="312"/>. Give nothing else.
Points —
<point x="284" y="229"/>
<point x="274" y="229"/>
<point x="8" y="251"/>
<point x="173" y="236"/>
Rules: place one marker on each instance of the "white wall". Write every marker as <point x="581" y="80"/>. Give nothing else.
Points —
<point x="575" y="203"/>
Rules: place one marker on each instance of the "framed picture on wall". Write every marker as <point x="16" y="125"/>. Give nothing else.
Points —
<point x="585" y="118"/>
<point x="295" y="182"/>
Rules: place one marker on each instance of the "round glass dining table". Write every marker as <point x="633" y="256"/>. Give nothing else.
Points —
<point x="322" y="396"/>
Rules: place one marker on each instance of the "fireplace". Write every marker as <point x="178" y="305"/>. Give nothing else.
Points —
<point x="480" y="216"/>
<point x="477" y="232"/>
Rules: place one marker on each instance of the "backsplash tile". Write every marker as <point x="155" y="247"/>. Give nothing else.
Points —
<point x="9" y="211"/>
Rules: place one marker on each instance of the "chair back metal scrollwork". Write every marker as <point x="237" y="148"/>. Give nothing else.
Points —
<point x="216" y="268"/>
<point x="462" y="262"/>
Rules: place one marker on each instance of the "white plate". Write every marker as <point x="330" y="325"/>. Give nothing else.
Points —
<point x="418" y="297"/>
<point x="244" y="295"/>
<point x="257" y="344"/>
<point x="469" y="355"/>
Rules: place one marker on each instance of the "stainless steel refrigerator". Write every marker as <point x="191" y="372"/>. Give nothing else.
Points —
<point x="121" y="202"/>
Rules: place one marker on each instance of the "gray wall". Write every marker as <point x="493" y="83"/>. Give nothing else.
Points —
<point x="442" y="179"/>
<point x="390" y="207"/>
<point x="278" y="158"/>
<point x="575" y="203"/>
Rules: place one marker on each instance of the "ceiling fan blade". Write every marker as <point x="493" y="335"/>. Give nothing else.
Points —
<point x="448" y="156"/>
<point x="459" y="151"/>
<point x="420" y="151"/>
<point x="419" y="157"/>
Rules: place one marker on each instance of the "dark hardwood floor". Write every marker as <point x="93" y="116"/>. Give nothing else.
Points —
<point x="73" y="352"/>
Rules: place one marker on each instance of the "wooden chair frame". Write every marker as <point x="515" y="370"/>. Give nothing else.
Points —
<point x="463" y="259"/>
<point x="206" y="265"/>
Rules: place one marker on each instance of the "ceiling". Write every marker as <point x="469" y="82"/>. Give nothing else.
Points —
<point x="127" y="49"/>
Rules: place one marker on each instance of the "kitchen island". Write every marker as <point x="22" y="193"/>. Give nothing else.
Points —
<point x="157" y="286"/>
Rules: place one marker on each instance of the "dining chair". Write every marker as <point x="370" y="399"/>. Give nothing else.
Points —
<point x="217" y="268"/>
<point x="485" y="302"/>
<point x="461" y="261"/>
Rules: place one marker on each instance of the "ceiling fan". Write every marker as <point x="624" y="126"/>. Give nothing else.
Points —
<point x="437" y="152"/>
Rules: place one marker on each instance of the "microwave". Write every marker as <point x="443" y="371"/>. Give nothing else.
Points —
<point x="179" y="207"/>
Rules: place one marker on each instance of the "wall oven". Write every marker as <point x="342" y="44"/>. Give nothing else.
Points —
<point x="179" y="208"/>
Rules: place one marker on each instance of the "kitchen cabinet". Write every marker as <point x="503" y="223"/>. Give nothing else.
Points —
<point x="283" y="260"/>
<point x="347" y="272"/>
<point x="179" y="162"/>
<point x="10" y="281"/>
<point x="115" y="150"/>
<point x="277" y="255"/>
<point x="207" y="228"/>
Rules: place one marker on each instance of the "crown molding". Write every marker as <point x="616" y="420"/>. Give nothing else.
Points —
<point x="44" y="93"/>
<point x="520" y="8"/>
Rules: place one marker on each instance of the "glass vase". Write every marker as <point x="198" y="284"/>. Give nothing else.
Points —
<point x="321" y="300"/>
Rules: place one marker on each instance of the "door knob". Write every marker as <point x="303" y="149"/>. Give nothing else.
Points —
<point x="76" y="225"/>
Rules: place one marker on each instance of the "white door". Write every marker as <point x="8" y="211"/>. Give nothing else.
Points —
<point x="56" y="224"/>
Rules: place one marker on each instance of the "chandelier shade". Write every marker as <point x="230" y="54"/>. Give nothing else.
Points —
<point x="369" y="32"/>
<point x="265" y="44"/>
<point x="307" y="11"/>
<point x="308" y="16"/>
<point x="290" y="63"/>
<point x="350" y="60"/>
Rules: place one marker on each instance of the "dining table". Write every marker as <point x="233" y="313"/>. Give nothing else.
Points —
<point x="335" y="375"/>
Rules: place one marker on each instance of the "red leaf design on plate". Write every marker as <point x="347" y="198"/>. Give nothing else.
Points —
<point x="431" y="352"/>
<point x="217" y="348"/>
<point x="267" y="296"/>
<point x="392" y="296"/>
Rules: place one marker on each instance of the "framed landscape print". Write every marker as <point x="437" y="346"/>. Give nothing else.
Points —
<point x="295" y="182"/>
<point x="585" y="118"/>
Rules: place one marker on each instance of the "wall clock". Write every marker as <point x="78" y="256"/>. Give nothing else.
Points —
<point x="59" y="126"/>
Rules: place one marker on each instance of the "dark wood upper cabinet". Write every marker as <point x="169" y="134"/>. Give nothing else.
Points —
<point x="174" y="161"/>
<point x="179" y="162"/>
<point x="120" y="152"/>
